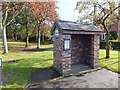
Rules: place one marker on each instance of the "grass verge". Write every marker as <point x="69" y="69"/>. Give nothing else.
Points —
<point x="112" y="63"/>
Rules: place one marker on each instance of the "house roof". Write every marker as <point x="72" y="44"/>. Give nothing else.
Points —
<point x="74" y="26"/>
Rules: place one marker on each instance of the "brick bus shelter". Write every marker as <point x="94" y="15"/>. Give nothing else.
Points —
<point x="76" y="46"/>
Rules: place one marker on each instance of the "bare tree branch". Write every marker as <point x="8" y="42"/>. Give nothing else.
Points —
<point x="111" y="13"/>
<point x="6" y="15"/>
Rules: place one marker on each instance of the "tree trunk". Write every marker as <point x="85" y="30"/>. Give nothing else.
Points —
<point x="12" y="35"/>
<point x="94" y="19"/>
<point x="5" y="40"/>
<point x="107" y="45"/>
<point x="36" y="37"/>
<point x="27" y="40"/>
<point x="119" y="30"/>
<point x="27" y="36"/>
<point x="43" y="39"/>
<point x="39" y="38"/>
<point x="119" y="23"/>
<point x="107" y="39"/>
<point x="15" y="36"/>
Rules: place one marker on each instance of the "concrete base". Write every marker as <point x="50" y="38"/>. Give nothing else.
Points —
<point x="78" y="67"/>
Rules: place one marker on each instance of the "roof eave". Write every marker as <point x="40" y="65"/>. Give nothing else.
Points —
<point x="65" y="31"/>
<point x="54" y="26"/>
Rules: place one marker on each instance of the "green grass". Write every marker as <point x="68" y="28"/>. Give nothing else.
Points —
<point x="112" y="63"/>
<point x="18" y="65"/>
<point x="18" y="72"/>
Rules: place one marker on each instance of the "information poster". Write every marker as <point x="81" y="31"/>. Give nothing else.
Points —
<point x="66" y="44"/>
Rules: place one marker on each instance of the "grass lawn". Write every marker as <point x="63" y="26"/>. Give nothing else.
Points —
<point x="18" y="64"/>
<point x="112" y="63"/>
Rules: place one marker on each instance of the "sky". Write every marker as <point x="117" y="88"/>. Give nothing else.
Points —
<point x="66" y="10"/>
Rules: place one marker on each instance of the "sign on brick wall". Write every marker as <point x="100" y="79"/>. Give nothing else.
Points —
<point x="56" y="34"/>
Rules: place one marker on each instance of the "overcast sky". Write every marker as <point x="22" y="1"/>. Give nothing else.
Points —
<point x="66" y="10"/>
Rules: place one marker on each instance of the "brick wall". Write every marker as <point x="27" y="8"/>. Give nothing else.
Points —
<point x="95" y="40"/>
<point x="57" y="48"/>
<point x="80" y="46"/>
<point x="83" y="48"/>
<point x="66" y="57"/>
<point x="62" y="59"/>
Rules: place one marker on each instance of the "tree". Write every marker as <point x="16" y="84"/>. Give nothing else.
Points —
<point x="9" y="8"/>
<point x="26" y="20"/>
<point x="103" y="14"/>
<point x="45" y="15"/>
<point x="13" y="31"/>
<point x="45" y="32"/>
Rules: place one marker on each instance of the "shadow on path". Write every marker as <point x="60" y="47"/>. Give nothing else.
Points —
<point x="38" y="49"/>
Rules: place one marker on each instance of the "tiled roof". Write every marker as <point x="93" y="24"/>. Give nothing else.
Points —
<point x="68" y="25"/>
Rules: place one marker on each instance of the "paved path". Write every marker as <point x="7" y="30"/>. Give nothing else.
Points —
<point x="99" y="79"/>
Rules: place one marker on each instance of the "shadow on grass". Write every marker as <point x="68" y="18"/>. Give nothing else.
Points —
<point x="44" y="74"/>
<point x="38" y="49"/>
<point x="105" y="59"/>
<point x="16" y="75"/>
<point x="16" y="48"/>
<point x="12" y="61"/>
<point x="116" y="49"/>
<point x="28" y="70"/>
<point x="102" y="58"/>
<point x="24" y="75"/>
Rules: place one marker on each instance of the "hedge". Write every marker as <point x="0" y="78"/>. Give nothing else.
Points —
<point x="115" y="45"/>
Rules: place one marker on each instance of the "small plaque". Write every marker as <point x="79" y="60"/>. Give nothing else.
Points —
<point x="56" y="34"/>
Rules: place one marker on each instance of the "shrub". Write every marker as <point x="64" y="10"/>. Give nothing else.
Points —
<point x="113" y="35"/>
<point x="115" y="45"/>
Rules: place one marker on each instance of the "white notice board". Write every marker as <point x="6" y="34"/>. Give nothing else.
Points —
<point x="66" y="44"/>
